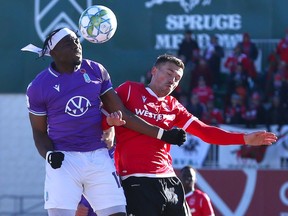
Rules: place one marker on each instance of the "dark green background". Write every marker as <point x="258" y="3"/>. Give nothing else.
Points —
<point x="130" y="53"/>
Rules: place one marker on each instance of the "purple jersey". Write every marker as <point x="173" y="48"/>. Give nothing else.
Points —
<point x="72" y="105"/>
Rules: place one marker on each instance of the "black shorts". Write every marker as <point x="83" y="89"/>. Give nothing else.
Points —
<point x="155" y="197"/>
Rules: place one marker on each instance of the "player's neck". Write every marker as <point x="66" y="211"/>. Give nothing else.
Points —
<point x="64" y="68"/>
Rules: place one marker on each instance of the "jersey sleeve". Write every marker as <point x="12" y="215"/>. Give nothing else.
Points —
<point x="124" y="91"/>
<point x="207" y="208"/>
<point x="106" y="83"/>
<point x="184" y="117"/>
<point x="214" y="135"/>
<point x="34" y="99"/>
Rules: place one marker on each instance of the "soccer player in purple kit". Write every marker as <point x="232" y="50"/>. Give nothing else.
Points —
<point x="64" y="103"/>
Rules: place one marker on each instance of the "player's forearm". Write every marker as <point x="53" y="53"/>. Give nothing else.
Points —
<point x="135" y="123"/>
<point x="215" y="135"/>
<point x="43" y="144"/>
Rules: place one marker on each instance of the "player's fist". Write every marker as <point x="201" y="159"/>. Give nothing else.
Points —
<point x="55" y="159"/>
<point x="174" y="136"/>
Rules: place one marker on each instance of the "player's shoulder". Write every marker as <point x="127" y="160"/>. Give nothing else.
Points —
<point x="90" y="63"/>
<point x="201" y="193"/>
<point x="41" y="78"/>
<point x="132" y="84"/>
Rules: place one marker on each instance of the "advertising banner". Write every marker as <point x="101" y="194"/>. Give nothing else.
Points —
<point x="145" y="30"/>
<point x="246" y="192"/>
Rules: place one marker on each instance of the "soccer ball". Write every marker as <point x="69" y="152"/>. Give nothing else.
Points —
<point x="97" y="24"/>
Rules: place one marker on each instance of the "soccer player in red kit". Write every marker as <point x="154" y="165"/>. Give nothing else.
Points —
<point x="198" y="201"/>
<point x="144" y="163"/>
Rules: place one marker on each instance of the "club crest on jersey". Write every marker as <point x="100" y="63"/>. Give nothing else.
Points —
<point x="86" y="78"/>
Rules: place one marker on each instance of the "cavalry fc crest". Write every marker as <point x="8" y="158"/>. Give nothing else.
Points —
<point x="50" y="15"/>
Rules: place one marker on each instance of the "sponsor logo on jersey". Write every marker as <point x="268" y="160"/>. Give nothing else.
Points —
<point x="77" y="106"/>
<point x="156" y="116"/>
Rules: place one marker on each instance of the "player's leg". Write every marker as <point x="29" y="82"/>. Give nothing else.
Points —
<point x="102" y="186"/>
<point x="144" y="196"/>
<point x="62" y="186"/>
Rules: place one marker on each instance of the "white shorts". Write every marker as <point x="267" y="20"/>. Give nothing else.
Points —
<point x="90" y="173"/>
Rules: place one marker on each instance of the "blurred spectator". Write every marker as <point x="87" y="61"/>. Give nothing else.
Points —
<point x="212" y="115"/>
<point x="280" y="88"/>
<point x="255" y="113"/>
<point x="213" y="55"/>
<point x="235" y="110"/>
<point x="236" y="58"/>
<point x="242" y="91"/>
<point x="282" y="48"/>
<point x="204" y="92"/>
<point x="248" y="47"/>
<point x="202" y="70"/>
<point x="276" y="114"/>
<point x="195" y="106"/>
<point x="188" y="50"/>
<point x="198" y="201"/>
<point x="239" y="76"/>
<point x="272" y="68"/>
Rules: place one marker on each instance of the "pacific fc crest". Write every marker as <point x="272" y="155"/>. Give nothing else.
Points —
<point x="187" y="5"/>
<point x="50" y="15"/>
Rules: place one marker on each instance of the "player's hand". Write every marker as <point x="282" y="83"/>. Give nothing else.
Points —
<point x="55" y="159"/>
<point x="260" y="138"/>
<point x="108" y="137"/>
<point x="174" y="136"/>
<point x="115" y="119"/>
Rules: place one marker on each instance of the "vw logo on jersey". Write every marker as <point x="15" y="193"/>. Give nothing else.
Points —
<point x="77" y="106"/>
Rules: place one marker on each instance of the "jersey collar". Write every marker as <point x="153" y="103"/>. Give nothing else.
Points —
<point x="153" y="94"/>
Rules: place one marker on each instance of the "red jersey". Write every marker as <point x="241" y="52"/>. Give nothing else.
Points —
<point x="141" y="155"/>
<point x="199" y="203"/>
<point x="282" y="50"/>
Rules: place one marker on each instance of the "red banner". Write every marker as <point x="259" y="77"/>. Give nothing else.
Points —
<point x="246" y="192"/>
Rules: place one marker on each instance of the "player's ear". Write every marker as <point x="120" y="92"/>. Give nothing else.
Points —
<point x="153" y="70"/>
<point x="52" y="53"/>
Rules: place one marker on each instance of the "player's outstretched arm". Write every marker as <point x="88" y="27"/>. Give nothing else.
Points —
<point x="260" y="138"/>
<point x="219" y="136"/>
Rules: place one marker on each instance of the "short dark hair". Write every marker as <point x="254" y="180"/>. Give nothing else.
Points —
<point x="169" y="58"/>
<point x="187" y="167"/>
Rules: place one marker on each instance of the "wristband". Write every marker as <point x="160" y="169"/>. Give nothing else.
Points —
<point x="47" y="154"/>
<point x="160" y="133"/>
